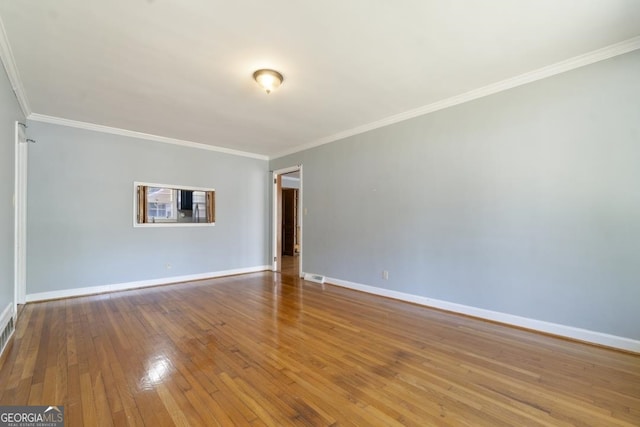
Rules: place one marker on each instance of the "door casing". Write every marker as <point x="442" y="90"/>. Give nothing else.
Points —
<point x="20" y="217"/>
<point x="277" y="218"/>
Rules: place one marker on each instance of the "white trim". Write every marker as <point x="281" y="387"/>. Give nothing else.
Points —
<point x="274" y="214"/>
<point x="6" y="54"/>
<point x="522" y="79"/>
<point x="20" y="216"/>
<point x="68" y="293"/>
<point x="141" y="135"/>
<point x="579" y="334"/>
<point x="541" y="73"/>
<point x="173" y="186"/>
<point x="169" y="224"/>
<point x="287" y="170"/>
<point x="300" y="221"/>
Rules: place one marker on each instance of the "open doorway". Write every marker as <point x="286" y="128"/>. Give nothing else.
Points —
<point x="287" y="221"/>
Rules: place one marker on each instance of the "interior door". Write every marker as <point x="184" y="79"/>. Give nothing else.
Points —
<point x="289" y="220"/>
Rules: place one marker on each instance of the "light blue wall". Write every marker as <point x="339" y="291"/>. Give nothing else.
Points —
<point x="80" y="217"/>
<point x="524" y="202"/>
<point x="9" y="113"/>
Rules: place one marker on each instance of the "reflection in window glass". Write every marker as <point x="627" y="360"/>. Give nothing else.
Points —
<point x="161" y="204"/>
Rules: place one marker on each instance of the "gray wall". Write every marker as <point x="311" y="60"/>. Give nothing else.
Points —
<point x="9" y="113"/>
<point x="524" y="202"/>
<point x="80" y="216"/>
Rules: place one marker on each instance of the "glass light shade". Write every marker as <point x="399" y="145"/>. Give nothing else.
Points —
<point x="268" y="79"/>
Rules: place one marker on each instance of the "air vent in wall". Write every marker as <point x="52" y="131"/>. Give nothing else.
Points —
<point x="314" y="278"/>
<point x="6" y="334"/>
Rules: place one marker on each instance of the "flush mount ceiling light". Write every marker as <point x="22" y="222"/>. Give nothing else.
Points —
<point x="268" y="79"/>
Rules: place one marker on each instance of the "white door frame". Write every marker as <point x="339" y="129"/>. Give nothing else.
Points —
<point x="275" y="206"/>
<point x="20" y="217"/>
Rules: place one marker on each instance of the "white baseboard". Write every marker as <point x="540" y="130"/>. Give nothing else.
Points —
<point x="67" y="293"/>
<point x="594" y="337"/>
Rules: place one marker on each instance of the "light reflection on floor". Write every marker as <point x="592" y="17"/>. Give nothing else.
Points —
<point x="158" y="369"/>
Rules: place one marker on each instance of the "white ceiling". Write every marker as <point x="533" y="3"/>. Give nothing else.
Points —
<point x="182" y="69"/>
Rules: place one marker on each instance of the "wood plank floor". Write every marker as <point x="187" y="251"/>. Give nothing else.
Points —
<point x="269" y="349"/>
<point x="290" y="265"/>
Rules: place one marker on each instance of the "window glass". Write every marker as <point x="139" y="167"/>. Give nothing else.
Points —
<point x="157" y="204"/>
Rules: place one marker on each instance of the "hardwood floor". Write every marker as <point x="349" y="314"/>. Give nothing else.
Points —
<point x="290" y="265"/>
<point x="269" y="349"/>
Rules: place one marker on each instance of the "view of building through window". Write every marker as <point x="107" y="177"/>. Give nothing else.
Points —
<point x="174" y="205"/>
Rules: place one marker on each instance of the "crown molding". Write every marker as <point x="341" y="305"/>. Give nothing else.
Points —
<point x="512" y="82"/>
<point x="6" y="55"/>
<point x="140" y="135"/>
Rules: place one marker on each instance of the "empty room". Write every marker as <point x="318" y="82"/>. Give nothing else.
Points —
<point x="354" y="213"/>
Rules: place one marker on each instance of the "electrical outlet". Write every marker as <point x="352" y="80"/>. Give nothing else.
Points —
<point x="168" y="266"/>
<point x="385" y="274"/>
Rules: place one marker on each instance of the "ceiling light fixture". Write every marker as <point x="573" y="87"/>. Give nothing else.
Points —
<point x="268" y="79"/>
